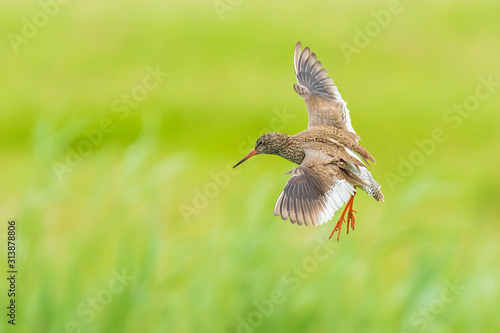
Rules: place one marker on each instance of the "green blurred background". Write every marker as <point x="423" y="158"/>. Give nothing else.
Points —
<point x="220" y="261"/>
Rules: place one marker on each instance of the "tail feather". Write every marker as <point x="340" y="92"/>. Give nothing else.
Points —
<point x="373" y="187"/>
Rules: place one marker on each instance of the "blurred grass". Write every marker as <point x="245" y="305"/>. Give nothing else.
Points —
<point x="120" y="208"/>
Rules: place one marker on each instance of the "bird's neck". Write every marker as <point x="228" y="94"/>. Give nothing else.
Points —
<point x="292" y="150"/>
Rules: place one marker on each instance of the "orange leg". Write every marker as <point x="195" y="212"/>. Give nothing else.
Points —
<point x="350" y="217"/>
<point x="350" y="213"/>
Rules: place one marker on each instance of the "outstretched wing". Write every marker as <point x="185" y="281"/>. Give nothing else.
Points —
<point x="324" y="103"/>
<point x="317" y="189"/>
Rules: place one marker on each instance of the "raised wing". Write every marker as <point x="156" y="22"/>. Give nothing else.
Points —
<point x="320" y="185"/>
<point x="324" y="103"/>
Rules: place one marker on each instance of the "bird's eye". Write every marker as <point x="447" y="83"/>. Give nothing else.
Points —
<point x="259" y="142"/>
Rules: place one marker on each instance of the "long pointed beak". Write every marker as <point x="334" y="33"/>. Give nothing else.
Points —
<point x="253" y="152"/>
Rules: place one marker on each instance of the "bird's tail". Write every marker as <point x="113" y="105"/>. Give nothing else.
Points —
<point x="373" y="187"/>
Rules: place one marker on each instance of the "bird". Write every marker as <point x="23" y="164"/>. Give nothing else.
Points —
<point x="332" y="164"/>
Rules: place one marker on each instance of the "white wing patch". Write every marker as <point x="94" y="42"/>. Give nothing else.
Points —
<point x="348" y="118"/>
<point x="335" y="198"/>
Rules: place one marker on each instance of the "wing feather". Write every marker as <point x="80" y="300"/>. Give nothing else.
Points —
<point x="314" y="192"/>
<point x="324" y="103"/>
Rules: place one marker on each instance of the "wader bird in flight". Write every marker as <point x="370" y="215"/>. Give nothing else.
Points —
<point x="329" y="156"/>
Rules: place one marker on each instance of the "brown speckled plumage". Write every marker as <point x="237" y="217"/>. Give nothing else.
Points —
<point x="329" y="156"/>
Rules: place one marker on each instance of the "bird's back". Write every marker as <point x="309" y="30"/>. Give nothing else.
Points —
<point x="340" y="144"/>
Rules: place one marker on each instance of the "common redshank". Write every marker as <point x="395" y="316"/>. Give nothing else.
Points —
<point x="329" y="156"/>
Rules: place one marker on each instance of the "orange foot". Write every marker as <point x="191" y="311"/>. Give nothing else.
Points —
<point x="350" y="217"/>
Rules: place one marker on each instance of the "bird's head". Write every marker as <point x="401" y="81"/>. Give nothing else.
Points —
<point x="269" y="143"/>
